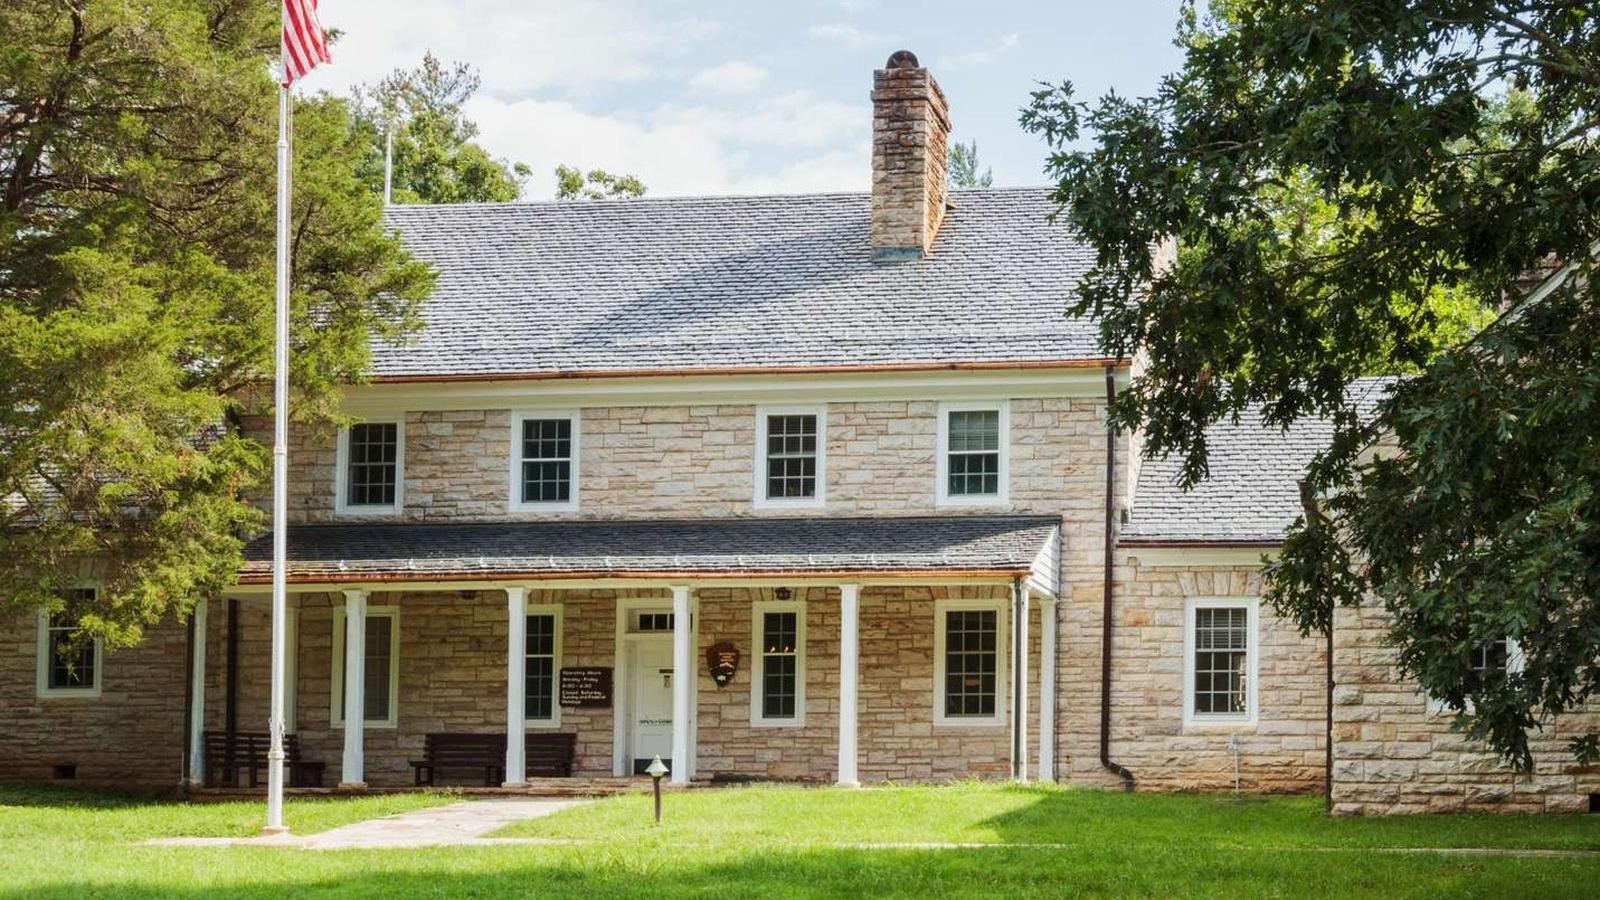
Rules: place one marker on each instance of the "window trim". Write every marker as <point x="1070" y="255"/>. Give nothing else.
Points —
<point x="341" y="471"/>
<point x="941" y="483"/>
<point x="43" y="662"/>
<point x="515" y="503"/>
<point x="1002" y="675"/>
<point x="1436" y="706"/>
<point x="336" y="695"/>
<point x="759" y="497"/>
<point x="1252" y="698"/>
<point x="758" y="611"/>
<point x="554" y="721"/>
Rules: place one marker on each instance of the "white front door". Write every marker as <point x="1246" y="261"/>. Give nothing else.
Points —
<point x="650" y="701"/>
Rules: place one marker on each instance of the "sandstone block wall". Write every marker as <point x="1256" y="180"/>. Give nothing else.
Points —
<point x="1393" y="754"/>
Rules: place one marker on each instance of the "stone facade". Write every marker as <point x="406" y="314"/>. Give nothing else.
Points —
<point x="1394" y="752"/>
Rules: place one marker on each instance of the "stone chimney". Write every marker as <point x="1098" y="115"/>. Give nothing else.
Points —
<point x="910" y="142"/>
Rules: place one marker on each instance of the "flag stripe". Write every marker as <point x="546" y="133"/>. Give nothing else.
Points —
<point x="304" y="45"/>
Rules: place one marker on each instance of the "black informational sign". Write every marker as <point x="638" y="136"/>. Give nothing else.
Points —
<point x="586" y="687"/>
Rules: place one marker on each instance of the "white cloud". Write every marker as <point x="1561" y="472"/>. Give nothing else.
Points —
<point x="983" y="55"/>
<point x="734" y="77"/>
<point x="845" y="35"/>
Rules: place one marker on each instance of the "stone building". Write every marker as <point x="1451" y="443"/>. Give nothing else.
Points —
<point x="789" y="487"/>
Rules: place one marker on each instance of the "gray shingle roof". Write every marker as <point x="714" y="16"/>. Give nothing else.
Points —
<point x="729" y="546"/>
<point x="1252" y="495"/>
<point x="735" y="282"/>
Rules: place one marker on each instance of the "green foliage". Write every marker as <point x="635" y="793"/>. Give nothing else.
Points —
<point x="137" y="159"/>
<point x="596" y="184"/>
<point x="434" y="158"/>
<point x="964" y="167"/>
<point x="1354" y="188"/>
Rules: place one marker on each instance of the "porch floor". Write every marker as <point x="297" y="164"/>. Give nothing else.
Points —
<point x="537" y="787"/>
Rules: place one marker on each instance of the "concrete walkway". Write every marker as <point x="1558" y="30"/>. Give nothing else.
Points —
<point x="455" y="825"/>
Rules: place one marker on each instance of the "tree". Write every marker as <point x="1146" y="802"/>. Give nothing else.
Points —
<point x="964" y="167"/>
<point x="137" y="153"/>
<point x="596" y="184"/>
<point x="434" y="159"/>
<point x="1455" y="145"/>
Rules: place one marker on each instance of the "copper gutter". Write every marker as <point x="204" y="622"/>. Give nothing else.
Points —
<point x="569" y="374"/>
<point x="656" y="574"/>
<point x="1174" y="543"/>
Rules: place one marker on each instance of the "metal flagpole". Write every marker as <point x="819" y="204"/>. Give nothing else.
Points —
<point x="280" y="474"/>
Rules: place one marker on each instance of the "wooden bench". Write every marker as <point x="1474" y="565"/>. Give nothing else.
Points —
<point x="548" y="755"/>
<point x="245" y="753"/>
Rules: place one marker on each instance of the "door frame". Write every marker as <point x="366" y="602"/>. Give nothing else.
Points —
<point x="621" y="714"/>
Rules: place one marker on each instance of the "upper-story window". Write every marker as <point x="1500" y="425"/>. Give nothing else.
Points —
<point x="1220" y="672"/>
<point x="371" y="464"/>
<point x="67" y="667"/>
<point x="544" y="462"/>
<point x="790" y="456"/>
<point x="974" y="453"/>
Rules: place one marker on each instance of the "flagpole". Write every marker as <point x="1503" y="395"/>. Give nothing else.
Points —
<point x="280" y="475"/>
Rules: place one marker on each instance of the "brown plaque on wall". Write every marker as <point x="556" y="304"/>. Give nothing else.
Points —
<point x="586" y="687"/>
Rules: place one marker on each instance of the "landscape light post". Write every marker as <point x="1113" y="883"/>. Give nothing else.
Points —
<point x="656" y="770"/>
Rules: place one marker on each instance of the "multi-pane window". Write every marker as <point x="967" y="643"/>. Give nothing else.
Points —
<point x="791" y="457"/>
<point x="372" y="464"/>
<point x="779" y="672"/>
<point x="1490" y="663"/>
<point x="973" y="453"/>
<point x="69" y="664"/>
<point x="540" y="677"/>
<point x="654" y="621"/>
<point x="547" y="460"/>
<point x="1220" y="661"/>
<point x="378" y="687"/>
<point x="971" y="663"/>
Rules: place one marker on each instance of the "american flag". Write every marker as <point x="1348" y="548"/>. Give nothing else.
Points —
<point x="304" y="45"/>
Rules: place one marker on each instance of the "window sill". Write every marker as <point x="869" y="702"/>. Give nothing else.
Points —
<point x="69" y="694"/>
<point x="370" y="726"/>
<point x="969" y="723"/>
<point x="542" y="508"/>
<point x="540" y="724"/>
<point x="971" y="500"/>
<point x="368" y="512"/>
<point x="777" y="723"/>
<point x="1209" y="726"/>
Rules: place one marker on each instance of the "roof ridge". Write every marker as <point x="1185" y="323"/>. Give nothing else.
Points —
<point x="690" y="198"/>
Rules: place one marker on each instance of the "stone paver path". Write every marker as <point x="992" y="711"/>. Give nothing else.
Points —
<point x="456" y="824"/>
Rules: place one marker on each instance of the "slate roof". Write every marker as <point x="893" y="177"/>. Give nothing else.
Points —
<point x="974" y="544"/>
<point x="1252" y="495"/>
<point x="735" y="282"/>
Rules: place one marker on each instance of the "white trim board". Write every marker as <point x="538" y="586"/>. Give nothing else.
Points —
<point x="557" y="661"/>
<point x="818" y="499"/>
<point x="1179" y="557"/>
<point x="941" y="473"/>
<point x="336" y="698"/>
<point x="757" y="667"/>
<point x="1002" y="675"/>
<point x="43" y="662"/>
<point x="514" y="501"/>
<point x="341" y="470"/>
<point x="1252" y="607"/>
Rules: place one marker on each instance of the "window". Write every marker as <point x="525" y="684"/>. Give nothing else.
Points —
<point x="974" y="453"/>
<point x="67" y="668"/>
<point x="790" y="456"/>
<point x="777" y="686"/>
<point x="969" y="659"/>
<point x="544" y="462"/>
<point x="1220" y="673"/>
<point x="1491" y="661"/>
<point x="370" y="475"/>
<point x="380" y="693"/>
<point x="654" y="621"/>
<point x="543" y="662"/>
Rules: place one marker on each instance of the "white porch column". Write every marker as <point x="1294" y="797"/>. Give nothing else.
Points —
<point x="682" y="679"/>
<point x="1019" y="682"/>
<point x="1047" y="689"/>
<point x="353" y="772"/>
<point x="516" y="687"/>
<point x="197" y="697"/>
<point x="849" y="672"/>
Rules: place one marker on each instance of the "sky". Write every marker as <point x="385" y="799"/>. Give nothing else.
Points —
<point x="713" y="97"/>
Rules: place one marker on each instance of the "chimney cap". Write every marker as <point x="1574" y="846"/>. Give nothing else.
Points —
<point x="902" y="59"/>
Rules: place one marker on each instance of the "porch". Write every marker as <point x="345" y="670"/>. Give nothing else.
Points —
<point x="823" y="650"/>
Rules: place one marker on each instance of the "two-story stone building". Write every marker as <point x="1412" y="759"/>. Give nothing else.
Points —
<point x="796" y="487"/>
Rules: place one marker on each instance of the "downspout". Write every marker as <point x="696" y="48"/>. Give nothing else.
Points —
<point x="1106" y="622"/>
<point x="1327" y="775"/>
<point x="1019" y="676"/>
<point x="230" y="715"/>
<point x="188" y="711"/>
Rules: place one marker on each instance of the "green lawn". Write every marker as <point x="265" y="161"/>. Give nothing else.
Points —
<point x="780" y="842"/>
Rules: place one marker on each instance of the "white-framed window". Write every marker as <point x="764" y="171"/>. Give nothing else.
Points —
<point x="544" y="461"/>
<point x="541" y="706"/>
<point x="791" y="456"/>
<point x="969" y="662"/>
<point x="1219" y="672"/>
<point x="1490" y="660"/>
<point x="369" y="471"/>
<point x="778" y="673"/>
<point x="974" y="454"/>
<point x="381" y="694"/>
<point x="67" y="668"/>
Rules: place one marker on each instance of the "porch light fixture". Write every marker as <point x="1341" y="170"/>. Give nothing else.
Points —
<point x="782" y="593"/>
<point x="656" y="770"/>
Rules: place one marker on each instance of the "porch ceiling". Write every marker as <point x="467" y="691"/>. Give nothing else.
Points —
<point x="958" y="545"/>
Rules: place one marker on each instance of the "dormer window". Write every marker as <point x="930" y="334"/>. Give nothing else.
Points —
<point x="544" y="462"/>
<point x="790" y="456"/>
<point x="370" y="467"/>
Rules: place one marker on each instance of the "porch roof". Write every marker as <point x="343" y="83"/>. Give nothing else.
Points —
<point x="965" y="545"/>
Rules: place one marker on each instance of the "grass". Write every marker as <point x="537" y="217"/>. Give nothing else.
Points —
<point x="792" y="842"/>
